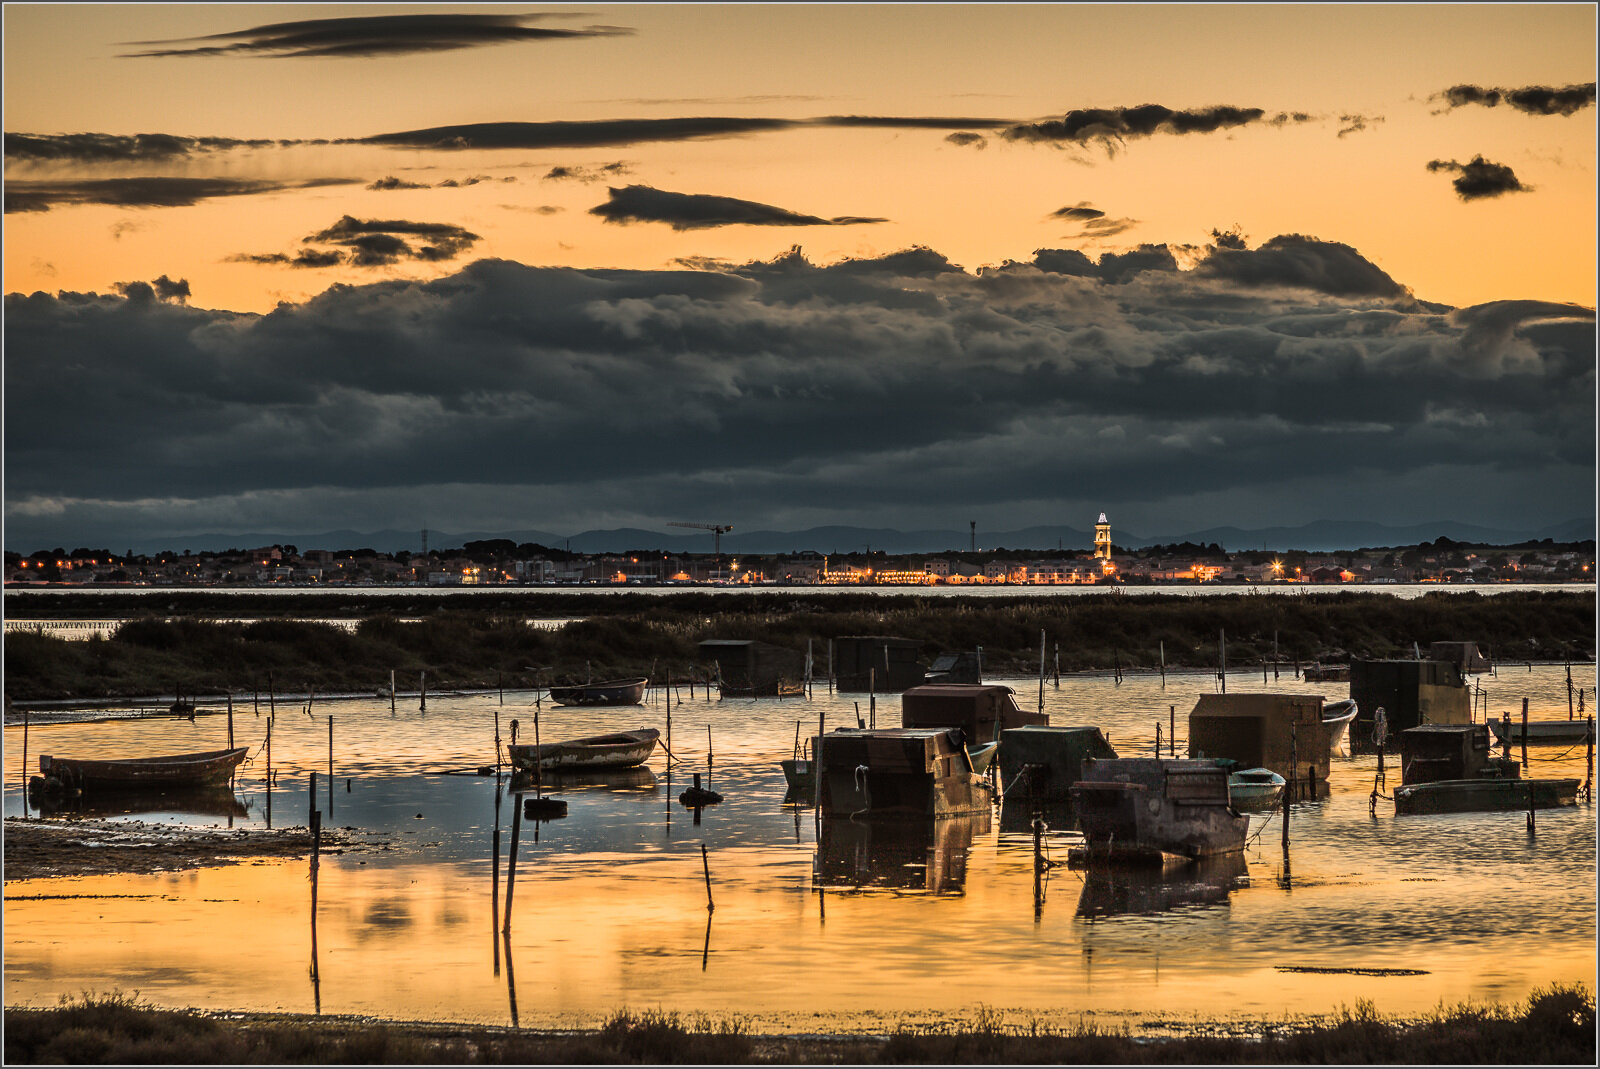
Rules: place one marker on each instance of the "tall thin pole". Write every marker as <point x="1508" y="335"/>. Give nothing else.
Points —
<point x="330" y="764"/>
<point x="1222" y="645"/>
<point x="1041" y="669"/>
<point x="1524" y="736"/>
<point x="25" y="716"/>
<point x="872" y="697"/>
<point x="1163" y="663"/>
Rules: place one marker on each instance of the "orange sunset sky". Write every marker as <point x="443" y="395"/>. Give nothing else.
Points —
<point x="278" y="268"/>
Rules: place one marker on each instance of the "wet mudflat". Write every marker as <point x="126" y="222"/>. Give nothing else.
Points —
<point x="832" y="929"/>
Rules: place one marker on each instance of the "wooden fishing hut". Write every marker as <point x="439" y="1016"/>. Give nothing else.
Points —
<point x="747" y="668"/>
<point x="1151" y="809"/>
<point x="897" y="773"/>
<point x="1281" y="732"/>
<point x="1040" y="763"/>
<point x="876" y="662"/>
<point x="1411" y="693"/>
<point x="981" y="710"/>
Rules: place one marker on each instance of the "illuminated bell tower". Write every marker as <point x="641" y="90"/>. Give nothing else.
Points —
<point x="1102" y="539"/>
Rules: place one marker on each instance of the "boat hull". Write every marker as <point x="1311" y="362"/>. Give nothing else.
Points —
<point x="624" y="749"/>
<point x="1254" y="788"/>
<point x="611" y="692"/>
<point x="1469" y="796"/>
<point x="210" y="768"/>
<point x="1548" y="732"/>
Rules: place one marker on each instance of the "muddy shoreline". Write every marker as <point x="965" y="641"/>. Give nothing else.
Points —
<point x="37" y="849"/>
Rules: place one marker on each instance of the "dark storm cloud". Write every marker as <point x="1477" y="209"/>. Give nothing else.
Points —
<point x="152" y="192"/>
<point x="698" y="211"/>
<point x="1112" y="125"/>
<point x="374" y="35"/>
<point x="159" y="289"/>
<point x="118" y="148"/>
<point x="1532" y="100"/>
<point x="1479" y="178"/>
<point x="865" y="385"/>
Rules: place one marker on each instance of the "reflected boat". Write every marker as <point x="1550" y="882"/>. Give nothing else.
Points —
<point x="637" y="777"/>
<point x="1112" y="892"/>
<point x="902" y="855"/>
<point x="195" y="801"/>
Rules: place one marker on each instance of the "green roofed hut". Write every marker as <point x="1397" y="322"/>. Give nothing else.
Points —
<point x="1040" y="763"/>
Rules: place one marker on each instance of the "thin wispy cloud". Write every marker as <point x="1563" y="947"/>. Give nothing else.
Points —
<point x="373" y="36"/>
<point x="120" y="148"/>
<point x="1110" y="127"/>
<point x="149" y="192"/>
<point x="700" y="211"/>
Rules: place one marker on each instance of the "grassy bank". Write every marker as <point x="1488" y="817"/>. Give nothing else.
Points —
<point x="630" y="634"/>
<point x="1554" y="1027"/>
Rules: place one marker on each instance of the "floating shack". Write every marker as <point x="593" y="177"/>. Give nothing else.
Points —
<point x="897" y="773"/>
<point x="750" y="669"/>
<point x="1156" y="810"/>
<point x="876" y="662"/>
<point x="1040" y="763"/>
<point x="960" y="667"/>
<point x="1410" y="692"/>
<point x="1450" y="768"/>
<point x="981" y="710"/>
<point x="1283" y="732"/>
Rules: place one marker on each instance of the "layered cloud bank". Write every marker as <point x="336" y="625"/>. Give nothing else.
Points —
<point x="1287" y="382"/>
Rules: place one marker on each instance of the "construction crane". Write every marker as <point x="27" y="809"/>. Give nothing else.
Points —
<point x="715" y="528"/>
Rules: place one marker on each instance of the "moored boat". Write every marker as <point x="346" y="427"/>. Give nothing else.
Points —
<point x="1254" y="788"/>
<point x="1450" y="768"/>
<point x="207" y="769"/>
<point x="610" y="692"/>
<point x="1547" y="732"/>
<point x="1336" y="717"/>
<point x="622" y="749"/>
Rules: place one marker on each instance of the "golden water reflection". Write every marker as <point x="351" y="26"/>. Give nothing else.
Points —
<point x="867" y="928"/>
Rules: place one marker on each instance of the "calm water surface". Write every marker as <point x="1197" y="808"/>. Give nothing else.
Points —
<point x="863" y="930"/>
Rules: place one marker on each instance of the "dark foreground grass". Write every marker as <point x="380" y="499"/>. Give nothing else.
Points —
<point x="1556" y="1026"/>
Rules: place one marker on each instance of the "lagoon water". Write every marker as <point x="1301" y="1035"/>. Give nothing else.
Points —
<point x="866" y="930"/>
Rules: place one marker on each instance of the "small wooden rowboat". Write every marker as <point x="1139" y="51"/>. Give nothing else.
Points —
<point x="621" y="750"/>
<point x="610" y="692"/>
<point x="1548" y="732"/>
<point x="209" y="769"/>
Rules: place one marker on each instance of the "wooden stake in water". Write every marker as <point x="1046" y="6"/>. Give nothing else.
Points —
<point x="1524" y="736"/>
<point x="230" y="720"/>
<point x="706" y="862"/>
<point x="269" y="770"/>
<point x="330" y="764"/>
<point x="24" y="760"/>
<point x="272" y="699"/>
<point x="1041" y="669"/>
<point x="422" y="691"/>
<point x="1172" y="728"/>
<point x="1163" y="664"/>
<point x="391" y="691"/>
<point x="872" y="697"/>
<point x="710" y="754"/>
<point x="1588" y="762"/>
<point x="1222" y="648"/>
<point x="311" y="798"/>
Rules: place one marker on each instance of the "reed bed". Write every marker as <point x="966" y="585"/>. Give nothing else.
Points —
<point x="1555" y="1026"/>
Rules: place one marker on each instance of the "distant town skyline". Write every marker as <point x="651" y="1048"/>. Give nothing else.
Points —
<point x="368" y="267"/>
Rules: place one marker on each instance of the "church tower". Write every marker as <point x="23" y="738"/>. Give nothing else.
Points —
<point x="1102" y="539"/>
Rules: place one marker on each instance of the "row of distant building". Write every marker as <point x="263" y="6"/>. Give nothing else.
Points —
<point x="274" y="565"/>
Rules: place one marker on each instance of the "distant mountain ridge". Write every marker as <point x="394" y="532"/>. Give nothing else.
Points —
<point x="1319" y="536"/>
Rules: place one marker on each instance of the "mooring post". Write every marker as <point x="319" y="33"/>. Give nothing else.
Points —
<point x="1163" y="664"/>
<point x="499" y="758"/>
<point x="391" y="692"/>
<point x="1222" y="649"/>
<point x="1569" y="690"/>
<point x="710" y="754"/>
<point x="1525" y="737"/>
<point x="830" y="666"/>
<point x="1172" y="729"/>
<point x="511" y="861"/>
<point x="706" y="862"/>
<point x="1041" y="669"/>
<point x="311" y="796"/>
<point x="230" y="720"/>
<point x="330" y="764"/>
<point x="25" y="761"/>
<point x="272" y="698"/>
<point x="422" y="691"/>
<point x="1530" y="806"/>
<point x="816" y="754"/>
<point x="1038" y="867"/>
<point x="1263" y="670"/>
<point x="1505" y="737"/>
<point x="1294" y="757"/>
<point x="872" y="697"/>
<point x="501" y="676"/>
<point x="1158" y="738"/>
<point x="1286" y="788"/>
<point x="1588" y="761"/>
